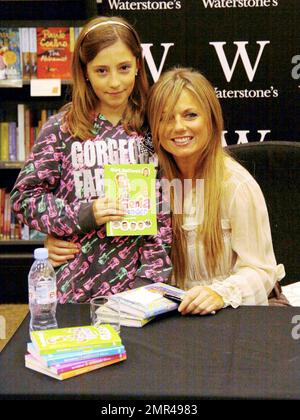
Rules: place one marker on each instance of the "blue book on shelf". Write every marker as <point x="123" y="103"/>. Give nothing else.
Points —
<point x="10" y="58"/>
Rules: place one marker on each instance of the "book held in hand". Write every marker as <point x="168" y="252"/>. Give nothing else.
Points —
<point x="132" y="186"/>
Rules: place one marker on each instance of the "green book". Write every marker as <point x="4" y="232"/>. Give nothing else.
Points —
<point x="133" y="186"/>
<point x="59" y="340"/>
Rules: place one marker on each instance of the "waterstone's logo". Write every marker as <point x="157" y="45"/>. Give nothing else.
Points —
<point x="222" y="4"/>
<point x="243" y="136"/>
<point x="153" y="68"/>
<point x="144" y="5"/>
<point x="250" y="68"/>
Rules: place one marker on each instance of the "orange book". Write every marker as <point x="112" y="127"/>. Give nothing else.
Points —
<point x="53" y="53"/>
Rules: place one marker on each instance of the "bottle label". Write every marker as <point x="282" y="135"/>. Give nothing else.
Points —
<point x="44" y="293"/>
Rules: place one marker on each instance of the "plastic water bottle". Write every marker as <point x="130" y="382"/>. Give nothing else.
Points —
<point x="42" y="292"/>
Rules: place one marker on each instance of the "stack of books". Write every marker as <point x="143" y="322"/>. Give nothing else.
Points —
<point x="141" y="305"/>
<point x="66" y="352"/>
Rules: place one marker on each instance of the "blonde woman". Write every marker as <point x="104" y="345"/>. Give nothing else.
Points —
<point x="222" y="251"/>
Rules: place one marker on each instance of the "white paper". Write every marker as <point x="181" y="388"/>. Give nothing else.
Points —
<point x="143" y="296"/>
<point x="45" y="87"/>
<point x="292" y="293"/>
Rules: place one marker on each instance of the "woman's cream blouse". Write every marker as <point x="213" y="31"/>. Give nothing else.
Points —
<point x="248" y="269"/>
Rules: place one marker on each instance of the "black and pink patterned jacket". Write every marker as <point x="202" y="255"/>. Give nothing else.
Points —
<point x="54" y="193"/>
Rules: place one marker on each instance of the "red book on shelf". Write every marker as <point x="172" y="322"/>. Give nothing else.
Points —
<point x="53" y="53"/>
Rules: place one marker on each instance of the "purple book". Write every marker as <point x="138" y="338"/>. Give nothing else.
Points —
<point x="12" y="141"/>
<point x="65" y="367"/>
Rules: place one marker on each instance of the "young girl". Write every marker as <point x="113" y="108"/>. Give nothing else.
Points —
<point x="60" y="189"/>
<point x="222" y="251"/>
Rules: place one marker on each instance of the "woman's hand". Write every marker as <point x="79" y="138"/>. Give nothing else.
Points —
<point x="60" y="251"/>
<point x="201" y="300"/>
<point x="107" y="210"/>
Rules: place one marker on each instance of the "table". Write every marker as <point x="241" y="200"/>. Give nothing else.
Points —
<point x="247" y="352"/>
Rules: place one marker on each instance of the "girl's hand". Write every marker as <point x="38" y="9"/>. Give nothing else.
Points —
<point x="60" y="251"/>
<point x="201" y="300"/>
<point x="107" y="210"/>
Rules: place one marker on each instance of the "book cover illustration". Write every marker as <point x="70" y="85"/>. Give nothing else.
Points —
<point x="148" y="301"/>
<point x="133" y="187"/>
<point x="53" y="53"/>
<point x="10" y="58"/>
<point x="64" y="339"/>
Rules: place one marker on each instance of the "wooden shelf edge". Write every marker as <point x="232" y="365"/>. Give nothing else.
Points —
<point x="11" y="164"/>
<point x="13" y="242"/>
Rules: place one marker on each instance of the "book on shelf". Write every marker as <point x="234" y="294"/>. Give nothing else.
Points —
<point x="25" y="53"/>
<point x="21" y="132"/>
<point x="33" y="52"/>
<point x="29" y="52"/>
<point x="53" y="53"/>
<point x="18" y="137"/>
<point x="12" y="141"/>
<point x="4" y="136"/>
<point x="10" y="58"/>
<point x="145" y="302"/>
<point x="60" y="340"/>
<point x="10" y="227"/>
<point x="133" y="187"/>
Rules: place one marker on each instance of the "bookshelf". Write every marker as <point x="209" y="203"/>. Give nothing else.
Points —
<point x="16" y="254"/>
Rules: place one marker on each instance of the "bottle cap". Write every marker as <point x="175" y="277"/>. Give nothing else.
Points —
<point x="41" y="253"/>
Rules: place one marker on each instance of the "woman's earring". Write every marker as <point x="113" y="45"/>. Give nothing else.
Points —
<point x="136" y="73"/>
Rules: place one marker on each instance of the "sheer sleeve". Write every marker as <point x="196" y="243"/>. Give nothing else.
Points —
<point x="255" y="271"/>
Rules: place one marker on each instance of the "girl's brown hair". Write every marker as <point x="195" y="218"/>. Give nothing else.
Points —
<point x="97" y="34"/>
<point x="163" y="96"/>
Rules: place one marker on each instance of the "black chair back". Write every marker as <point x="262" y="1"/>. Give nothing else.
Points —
<point x="275" y="166"/>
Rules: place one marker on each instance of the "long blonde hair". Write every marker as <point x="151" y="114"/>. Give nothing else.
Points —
<point x="97" y="34"/>
<point x="163" y="96"/>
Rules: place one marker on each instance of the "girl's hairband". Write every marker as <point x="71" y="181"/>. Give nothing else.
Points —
<point x="110" y="22"/>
